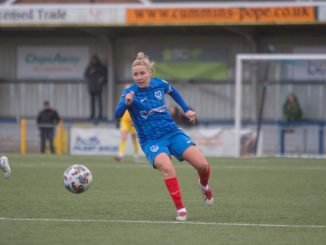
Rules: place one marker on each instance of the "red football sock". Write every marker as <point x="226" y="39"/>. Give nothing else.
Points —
<point x="173" y="187"/>
<point x="204" y="176"/>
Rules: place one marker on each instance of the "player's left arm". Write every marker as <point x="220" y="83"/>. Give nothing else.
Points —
<point x="174" y="93"/>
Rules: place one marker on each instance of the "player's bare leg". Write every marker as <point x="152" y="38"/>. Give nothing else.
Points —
<point x="196" y="158"/>
<point x="165" y="165"/>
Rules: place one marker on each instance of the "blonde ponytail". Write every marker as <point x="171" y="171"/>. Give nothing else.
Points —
<point x="144" y="60"/>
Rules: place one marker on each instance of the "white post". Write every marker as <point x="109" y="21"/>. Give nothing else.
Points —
<point x="237" y="105"/>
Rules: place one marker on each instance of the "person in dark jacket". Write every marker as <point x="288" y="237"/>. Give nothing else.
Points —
<point x="96" y="75"/>
<point x="47" y="120"/>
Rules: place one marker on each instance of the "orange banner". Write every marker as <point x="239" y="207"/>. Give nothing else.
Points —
<point x="278" y="15"/>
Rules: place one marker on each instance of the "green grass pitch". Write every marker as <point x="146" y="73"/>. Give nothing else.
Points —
<point x="257" y="201"/>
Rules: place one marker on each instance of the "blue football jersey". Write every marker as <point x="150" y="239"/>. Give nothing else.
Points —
<point x="148" y="111"/>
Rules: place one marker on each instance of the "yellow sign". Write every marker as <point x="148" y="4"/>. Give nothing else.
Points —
<point x="265" y="15"/>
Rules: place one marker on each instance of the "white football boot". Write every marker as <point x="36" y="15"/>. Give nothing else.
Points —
<point x="4" y="166"/>
<point x="207" y="194"/>
<point x="181" y="215"/>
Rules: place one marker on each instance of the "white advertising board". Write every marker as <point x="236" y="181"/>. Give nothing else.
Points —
<point x="52" y="62"/>
<point x="220" y="142"/>
<point x="94" y="141"/>
<point x="43" y="15"/>
<point x="97" y="141"/>
<point x="213" y="142"/>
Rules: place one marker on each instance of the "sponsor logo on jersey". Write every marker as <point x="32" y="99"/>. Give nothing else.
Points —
<point x="160" y="109"/>
<point x="158" y="95"/>
<point x="154" y="148"/>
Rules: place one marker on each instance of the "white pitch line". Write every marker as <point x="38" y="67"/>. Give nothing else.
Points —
<point x="186" y="166"/>
<point x="160" y="222"/>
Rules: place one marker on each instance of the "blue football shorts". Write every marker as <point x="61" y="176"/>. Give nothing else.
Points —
<point x="173" y="144"/>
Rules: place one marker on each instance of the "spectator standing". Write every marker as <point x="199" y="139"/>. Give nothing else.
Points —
<point x="47" y="120"/>
<point x="96" y="76"/>
<point x="291" y="109"/>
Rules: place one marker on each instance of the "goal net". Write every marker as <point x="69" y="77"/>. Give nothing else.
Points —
<point x="263" y="82"/>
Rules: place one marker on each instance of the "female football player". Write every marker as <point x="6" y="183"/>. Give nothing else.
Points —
<point x="158" y="135"/>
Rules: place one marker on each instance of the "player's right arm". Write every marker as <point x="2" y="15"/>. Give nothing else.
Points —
<point x="129" y="98"/>
<point x="121" y="107"/>
<point x="125" y="101"/>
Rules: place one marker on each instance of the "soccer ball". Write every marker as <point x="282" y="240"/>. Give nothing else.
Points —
<point x="77" y="178"/>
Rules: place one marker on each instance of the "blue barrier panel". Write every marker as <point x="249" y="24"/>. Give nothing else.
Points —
<point x="284" y="127"/>
<point x="321" y="139"/>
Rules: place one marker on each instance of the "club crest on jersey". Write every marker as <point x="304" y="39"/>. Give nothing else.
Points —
<point x="154" y="148"/>
<point x="158" y="95"/>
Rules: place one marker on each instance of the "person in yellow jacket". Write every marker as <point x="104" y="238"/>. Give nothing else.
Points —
<point x="127" y="127"/>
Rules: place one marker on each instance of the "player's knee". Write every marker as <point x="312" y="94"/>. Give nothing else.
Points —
<point x="165" y="166"/>
<point x="168" y="172"/>
<point x="202" y="167"/>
